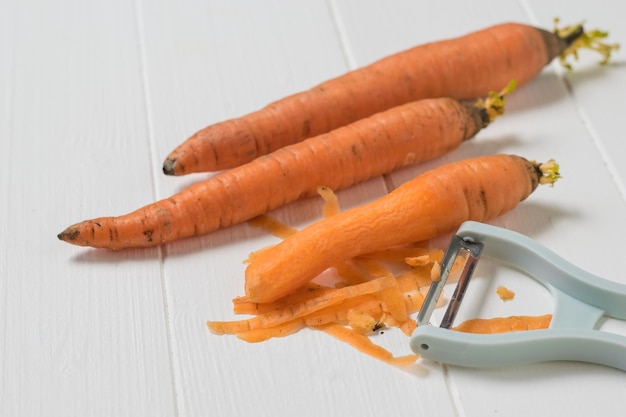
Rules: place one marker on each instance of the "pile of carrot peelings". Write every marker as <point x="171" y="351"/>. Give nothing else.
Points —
<point x="364" y="298"/>
<point x="366" y="295"/>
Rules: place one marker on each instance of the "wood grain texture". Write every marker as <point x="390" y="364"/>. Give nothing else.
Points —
<point x="82" y="333"/>
<point x="93" y="95"/>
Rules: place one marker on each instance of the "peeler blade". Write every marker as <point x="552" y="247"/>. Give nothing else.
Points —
<point x="468" y="250"/>
<point x="474" y="250"/>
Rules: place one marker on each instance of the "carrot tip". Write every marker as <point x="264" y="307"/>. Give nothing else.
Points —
<point x="169" y="166"/>
<point x="68" y="234"/>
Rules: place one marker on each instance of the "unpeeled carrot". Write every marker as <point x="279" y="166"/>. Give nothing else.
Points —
<point x="404" y="135"/>
<point x="466" y="67"/>
<point x="430" y="205"/>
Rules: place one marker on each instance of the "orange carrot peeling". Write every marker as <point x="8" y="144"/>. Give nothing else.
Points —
<point x="430" y="205"/>
<point x="322" y="300"/>
<point x="370" y="300"/>
<point x="404" y="135"/>
<point x="364" y="344"/>
<point x="466" y="67"/>
<point x="505" y="324"/>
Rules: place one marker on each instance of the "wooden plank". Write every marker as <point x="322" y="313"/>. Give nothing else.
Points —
<point x="82" y="332"/>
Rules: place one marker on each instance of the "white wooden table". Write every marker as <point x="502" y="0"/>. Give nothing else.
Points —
<point x="94" y="94"/>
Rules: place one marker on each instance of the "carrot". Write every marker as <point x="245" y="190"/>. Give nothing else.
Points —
<point x="431" y="204"/>
<point x="463" y="68"/>
<point x="404" y="135"/>
<point x="505" y="324"/>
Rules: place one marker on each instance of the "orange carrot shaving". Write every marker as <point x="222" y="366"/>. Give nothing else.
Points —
<point x="242" y="305"/>
<point x="435" y="254"/>
<point x="414" y="279"/>
<point x="325" y="298"/>
<point x="435" y="272"/>
<point x="331" y="203"/>
<point x="369" y="305"/>
<point x="505" y="324"/>
<point x="266" y="333"/>
<point x="364" y="308"/>
<point x="363" y="322"/>
<point x="273" y="226"/>
<point x="504" y="293"/>
<point x="365" y="345"/>
<point x="350" y="273"/>
<point x="395" y="305"/>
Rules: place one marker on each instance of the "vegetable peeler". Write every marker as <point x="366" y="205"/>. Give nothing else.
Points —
<point x="581" y="301"/>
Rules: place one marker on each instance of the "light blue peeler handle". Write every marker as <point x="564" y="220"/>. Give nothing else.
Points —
<point x="581" y="300"/>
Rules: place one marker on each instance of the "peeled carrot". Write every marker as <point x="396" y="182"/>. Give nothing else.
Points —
<point x="505" y="324"/>
<point x="463" y="68"/>
<point x="404" y="135"/>
<point x="431" y="204"/>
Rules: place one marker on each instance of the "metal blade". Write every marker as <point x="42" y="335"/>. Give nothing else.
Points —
<point x="458" y="246"/>
<point x="473" y="249"/>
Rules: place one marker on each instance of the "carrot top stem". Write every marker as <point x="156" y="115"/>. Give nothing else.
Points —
<point x="577" y="39"/>
<point x="494" y="103"/>
<point x="549" y="172"/>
